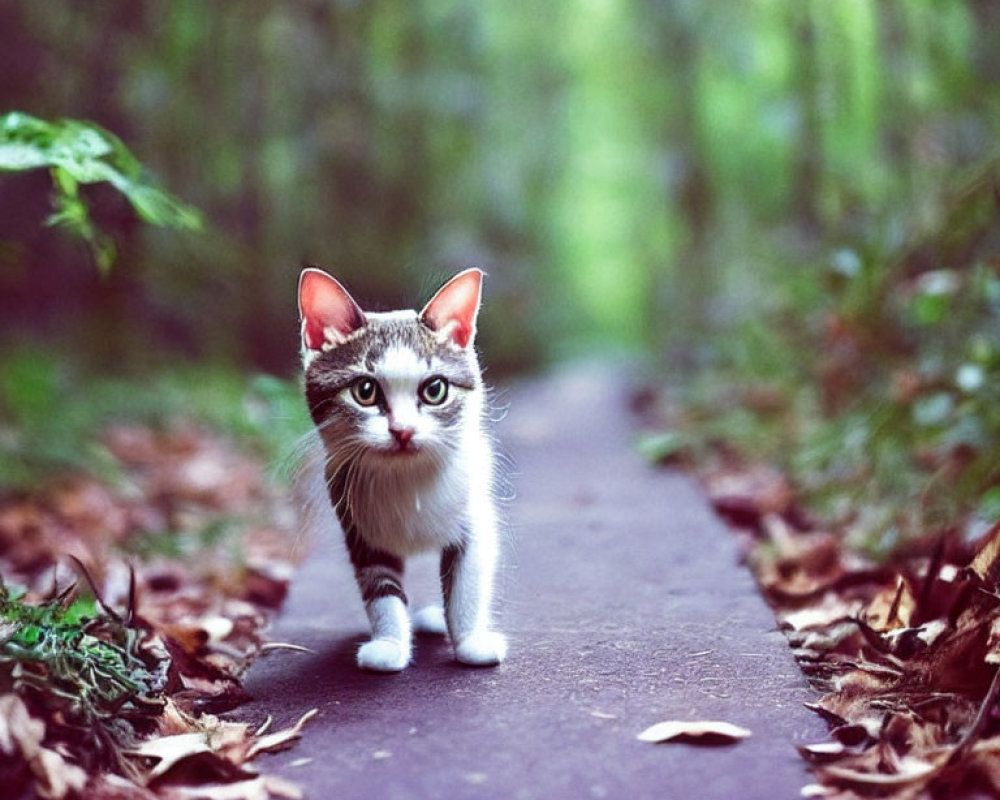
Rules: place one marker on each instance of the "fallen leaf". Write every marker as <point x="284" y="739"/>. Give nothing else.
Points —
<point x="114" y="787"/>
<point x="263" y="787"/>
<point x="279" y="739"/>
<point x="269" y="646"/>
<point x="55" y="777"/>
<point x="817" y="790"/>
<point x="18" y="729"/>
<point x="911" y="770"/>
<point x="197" y="609"/>
<point x="701" y="731"/>
<point x="986" y="563"/>
<point x="826" y="751"/>
<point x="169" y="750"/>
<point x="993" y="643"/>
<point x="749" y="492"/>
<point x="21" y="735"/>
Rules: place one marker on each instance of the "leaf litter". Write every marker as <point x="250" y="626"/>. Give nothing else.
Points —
<point x="906" y="653"/>
<point x="193" y="546"/>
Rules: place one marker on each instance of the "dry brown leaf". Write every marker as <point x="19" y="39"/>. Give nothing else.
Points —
<point x="19" y="731"/>
<point x="21" y="736"/>
<point x="906" y="652"/>
<point x="208" y="613"/>
<point x="169" y="750"/>
<point x="825" y="751"/>
<point x="993" y="642"/>
<point x="699" y="731"/>
<point x="262" y="787"/>
<point x="748" y="492"/>
<point x="817" y="790"/>
<point x="986" y="563"/>
<point x="55" y="778"/>
<point x="252" y="789"/>
<point x="829" y="611"/>
<point x="114" y="787"/>
<point x="891" y="608"/>
<point x="910" y="770"/>
<point x="268" y="646"/>
<point x="279" y="739"/>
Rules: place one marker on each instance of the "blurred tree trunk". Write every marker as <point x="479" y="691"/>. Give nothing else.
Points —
<point x="808" y="174"/>
<point x="262" y="347"/>
<point x="117" y="297"/>
<point x="694" y="284"/>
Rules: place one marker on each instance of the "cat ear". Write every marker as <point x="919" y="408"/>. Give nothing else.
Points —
<point x="329" y="314"/>
<point x="452" y="311"/>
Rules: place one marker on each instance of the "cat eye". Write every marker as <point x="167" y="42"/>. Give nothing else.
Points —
<point x="434" y="392"/>
<point x="365" y="391"/>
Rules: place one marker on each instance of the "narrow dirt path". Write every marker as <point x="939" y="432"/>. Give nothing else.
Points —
<point x="624" y="605"/>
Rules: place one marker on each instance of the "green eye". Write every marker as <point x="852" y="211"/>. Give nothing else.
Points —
<point x="365" y="391"/>
<point x="434" y="392"/>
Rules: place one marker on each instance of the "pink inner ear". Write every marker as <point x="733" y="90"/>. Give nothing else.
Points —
<point x="325" y="308"/>
<point x="454" y="307"/>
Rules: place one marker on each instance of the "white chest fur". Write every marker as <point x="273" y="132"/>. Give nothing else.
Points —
<point x="405" y="509"/>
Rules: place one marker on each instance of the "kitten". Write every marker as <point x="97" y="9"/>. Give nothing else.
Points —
<point x="399" y="403"/>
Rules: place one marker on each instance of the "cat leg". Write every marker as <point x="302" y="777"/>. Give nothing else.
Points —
<point x="390" y="646"/>
<point x="430" y="620"/>
<point x="380" y="579"/>
<point x="467" y="583"/>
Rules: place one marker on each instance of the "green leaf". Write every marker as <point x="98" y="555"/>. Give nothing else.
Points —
<point x="15" y="156"/>
<point x="82" y="153"/>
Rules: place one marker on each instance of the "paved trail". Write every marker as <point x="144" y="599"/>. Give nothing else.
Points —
<point x="624" y="606"/>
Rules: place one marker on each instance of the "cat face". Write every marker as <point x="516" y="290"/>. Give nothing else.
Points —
<point x="389" y="385"/>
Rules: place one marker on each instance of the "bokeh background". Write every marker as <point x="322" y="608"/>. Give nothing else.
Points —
<point x="781" y="214"/>
<point x="627" y="171"/>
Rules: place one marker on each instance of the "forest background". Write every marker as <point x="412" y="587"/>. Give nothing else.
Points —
<point x="788" y="206"/>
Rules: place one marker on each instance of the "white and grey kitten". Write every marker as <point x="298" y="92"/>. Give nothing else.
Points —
<point x="399" y="404"/>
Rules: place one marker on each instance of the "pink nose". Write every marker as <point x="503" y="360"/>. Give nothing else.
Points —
<point x="402" y="435"/>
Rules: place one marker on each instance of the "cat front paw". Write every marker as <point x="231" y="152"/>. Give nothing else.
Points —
<point x="383" y="655"/>
<point x="481" y="649"/>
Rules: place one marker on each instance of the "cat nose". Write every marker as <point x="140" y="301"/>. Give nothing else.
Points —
<point x="402" y="435"/>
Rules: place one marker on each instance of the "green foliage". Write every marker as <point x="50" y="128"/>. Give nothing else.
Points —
<point x="51" y="416"/>
<point x="882" y="389"/>
<point x="395" y="141"/>
<point x="79" y="153"/>
<point x="45" y="426"/>
<point x="82" y="663"/>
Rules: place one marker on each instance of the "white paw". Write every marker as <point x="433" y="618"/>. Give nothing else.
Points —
<point x="481" y="649"/>
<point x="430" y="619"/>
<point x="383" y="655"/>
